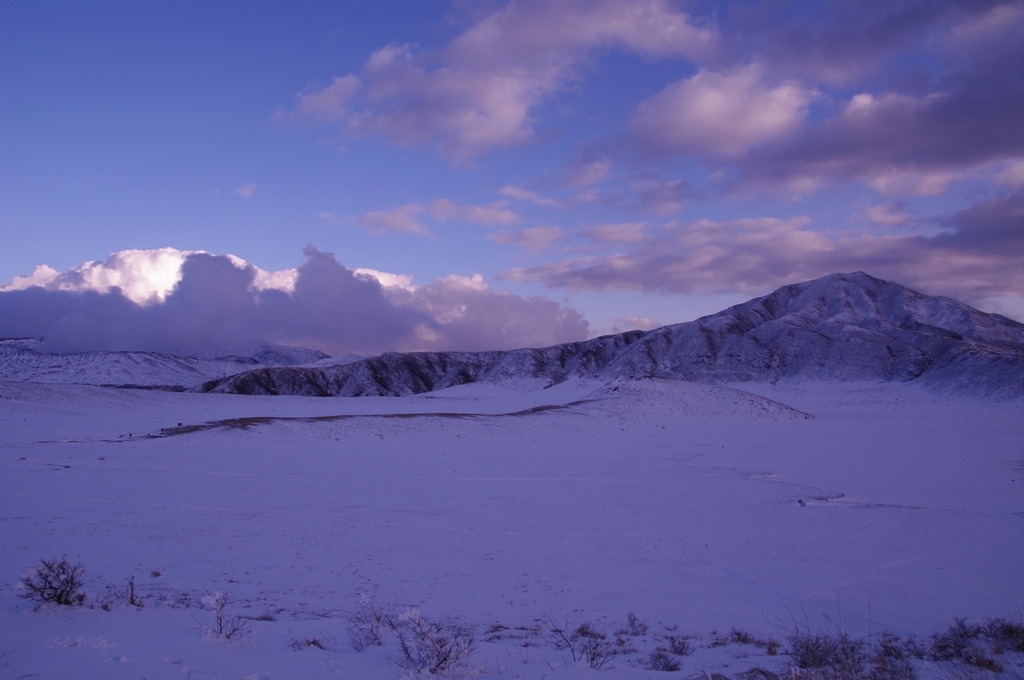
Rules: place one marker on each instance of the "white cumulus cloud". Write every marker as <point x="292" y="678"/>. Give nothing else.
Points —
<point x="721" y="113"/>
<point x="185" y="302"/>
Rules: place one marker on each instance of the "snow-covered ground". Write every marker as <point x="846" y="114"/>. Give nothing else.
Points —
<point x="858" y="506"/>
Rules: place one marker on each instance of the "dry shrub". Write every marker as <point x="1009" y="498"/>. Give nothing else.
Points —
<point x="826" y="656"/>
<point x="432" y="646"/>
<point x="584" y="642"/>
<point x="57" y="581"/>
<point x="757" y="673"/>
<point x="223" y="625"/>
<point x="319" y="641"/>
<point x="892" y="658"/>
<point x="1006" y="633"/>
<point x="365" y="624"/>
<point x="662" y="659"/>
<point x="963" y="642"/>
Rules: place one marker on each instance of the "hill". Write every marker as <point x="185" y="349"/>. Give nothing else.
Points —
<point x="841" y="327"/>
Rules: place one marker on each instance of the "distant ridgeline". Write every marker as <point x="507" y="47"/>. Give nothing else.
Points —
<point x="842" y="327"/>
<point x="22" y="360"/>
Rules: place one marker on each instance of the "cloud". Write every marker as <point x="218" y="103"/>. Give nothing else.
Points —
<point x="492" y="214"/>
<point x="407" y="218"/>
<point x="720" y="114"/>
<point x="142" y="276"/>
<point x="642" y="323"/>
<point x="905" y="142"/>
<point x="221" y="302"/>
<point x="248" y="191"/>
<point x="975" y="256"/>
<point x="642" y="192"/>
<point x="583" y="173"/>
<point x="403" y="219"/>
<point x="886" y="215"/>
<point x="481" y="91"/>
<point x="535" y="239"/>
<point x="327" y="105"/>
<point x="625" y="232"/>
<point x="987" y="25"/>
<point x="521" y="194"/>
<point x="387" y="279"/>
<point x="659" y="196"/>
<point x="1011" y="174"/>
<point x="838" y="43"/>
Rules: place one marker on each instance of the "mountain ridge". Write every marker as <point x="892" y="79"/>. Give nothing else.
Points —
<point x="23" y="360"/>
<point x="841" y="327"/>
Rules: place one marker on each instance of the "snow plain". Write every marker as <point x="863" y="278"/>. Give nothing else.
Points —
<point x="865" y="506"/>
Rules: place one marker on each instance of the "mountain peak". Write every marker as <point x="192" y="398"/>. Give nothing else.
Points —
<point x="841" y="327"/>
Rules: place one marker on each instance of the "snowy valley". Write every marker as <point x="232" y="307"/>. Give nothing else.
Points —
<point x="841" y="458"/>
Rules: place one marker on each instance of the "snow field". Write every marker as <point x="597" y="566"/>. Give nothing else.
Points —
<point x="706" y="508"/>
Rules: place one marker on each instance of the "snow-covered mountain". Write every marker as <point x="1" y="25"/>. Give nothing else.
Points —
<point x="21" y="360"/>
<point x="842" y="327"/>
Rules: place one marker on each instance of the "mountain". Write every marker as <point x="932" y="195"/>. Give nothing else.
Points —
<point x="842" y="327"/>
<point x="22" y="360"/>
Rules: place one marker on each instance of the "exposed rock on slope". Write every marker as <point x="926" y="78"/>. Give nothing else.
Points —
<point x="396" y="374"/>
<point x="22" y="361"/>
<point x="841" y="327"/>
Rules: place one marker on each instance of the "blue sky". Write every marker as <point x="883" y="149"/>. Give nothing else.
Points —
<point x="632" y="162"/>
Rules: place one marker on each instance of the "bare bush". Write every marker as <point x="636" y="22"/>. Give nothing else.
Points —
<point x="661" y="659"/>
<point x="127" y="594"/>
<point x="597" y="652"/>
<point x="825" y="656"/>
<point x="366" y="623"/>
<point x="757" y="673"/>
<point x="319" y="641"/>
<point x="562" y="636"/>
<point x="677" y="644"/>
<point x="634" y="627"/>
<point x="57" y="581"/>
<point x="742" y="637"/>
<point x="223" y="625"/>
<point x="892" y="658"/>
<point x="432" y="646"/>
<point x="962" y="642"/>
<point x="130" y="594"/>
<point x="584" y="642"/>
<point x="1006" y="633"/>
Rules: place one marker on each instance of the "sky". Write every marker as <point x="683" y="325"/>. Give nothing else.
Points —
<point x="481" y="174"/>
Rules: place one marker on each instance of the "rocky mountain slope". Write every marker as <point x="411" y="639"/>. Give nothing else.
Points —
<point x="22" y="360"/>
<point x="842" y="327"/>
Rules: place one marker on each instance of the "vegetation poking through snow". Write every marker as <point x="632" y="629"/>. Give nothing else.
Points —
<point x="964" y="651"/>
<point x="222" y="625"/>
<point x="55" y="580"/>
<point x="584" y="642"/>
<point x="977" y="644"/>
<point x="432" y="646"/>
<point x="661" y="659"/>
<point x="427" y="645"/>
<point x="128" y="594"/>
<point x="367" y="623"/>
<point x="320" y="641"/>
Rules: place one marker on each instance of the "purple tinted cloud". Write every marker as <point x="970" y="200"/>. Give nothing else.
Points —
<point x="756" y="255"/>
<point x="409" y="218"/>
<point x="754" y="120"/>
<point x="482" y="91"/>
<point x="217" y="304"/>
<point x="837" y="42"/>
